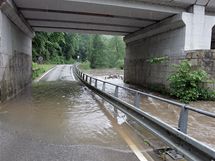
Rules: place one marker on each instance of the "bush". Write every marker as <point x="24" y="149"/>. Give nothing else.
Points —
<point x="185" y="83"/>
<point x="70" y="61"/>
<point x="120" y="64"/>
<point x="158" y="60"/>
<point x="39" y="69"/>
<point x="85" y="65"/>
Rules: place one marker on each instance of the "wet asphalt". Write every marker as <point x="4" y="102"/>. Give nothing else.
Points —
<point x="57" y="119"/>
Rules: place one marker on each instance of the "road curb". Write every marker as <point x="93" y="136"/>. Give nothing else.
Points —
<point x="43" y="75"/>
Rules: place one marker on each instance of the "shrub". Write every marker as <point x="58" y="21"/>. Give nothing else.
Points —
<point x="85" y="65"/>
<point x="185" y="83"/>
<point x="158" y="60"/>
<point x="70" y="61"/>
<point x="39" y="69"/>
<point x="120" y="64"/>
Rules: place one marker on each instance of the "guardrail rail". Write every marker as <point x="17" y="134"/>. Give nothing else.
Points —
<point x="188" y="147"/>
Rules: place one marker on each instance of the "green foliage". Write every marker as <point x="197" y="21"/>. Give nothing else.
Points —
<point x="97" y="57"/>
<point x="47" y="45"/>
<point x="70" y="61"/>
<point x="185" y="83"/>
<point x="158" y="60"/>
<point x="120" y="64"/>
<point x="39" y="69"/>
<point x="115" y="52"/>
<point x="85" y="65"/>
<point x="207" y="94"/>
<point x="65" y="48"/>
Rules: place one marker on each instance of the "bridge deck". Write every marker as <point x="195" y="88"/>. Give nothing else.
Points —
<point x="119" y="17"/>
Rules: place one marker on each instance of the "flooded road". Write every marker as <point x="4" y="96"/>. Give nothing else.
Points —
<point x="58" y="118"/>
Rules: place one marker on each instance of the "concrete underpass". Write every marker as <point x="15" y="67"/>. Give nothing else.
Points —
<point x="174" y="29"/>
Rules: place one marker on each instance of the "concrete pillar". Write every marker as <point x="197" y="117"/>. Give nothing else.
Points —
<point x="15" y="56"/>
<point x="198" y="28"/>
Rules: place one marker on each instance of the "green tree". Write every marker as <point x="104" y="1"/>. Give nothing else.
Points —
<point x="98" y="57"/>
<point x="70" y="46"/>
<point x="47" y="45"/>
<point x="116" y="52"/>
<point x="59" y="47"/>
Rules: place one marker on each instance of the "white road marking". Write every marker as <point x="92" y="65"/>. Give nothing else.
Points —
<point x="38" y="79"/>
<point x="134" y="147"/>
<point x="71" y="71"/>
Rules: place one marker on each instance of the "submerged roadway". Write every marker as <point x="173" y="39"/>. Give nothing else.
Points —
<point x="58" y="119"/>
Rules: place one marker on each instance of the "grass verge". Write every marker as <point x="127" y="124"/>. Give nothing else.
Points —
<point x="84" y="65"/>
<point x="39" y="69"/>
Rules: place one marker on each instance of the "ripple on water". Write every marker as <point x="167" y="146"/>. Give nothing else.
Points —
<point x="61" y="113"/>
<point x="200" y="127"/>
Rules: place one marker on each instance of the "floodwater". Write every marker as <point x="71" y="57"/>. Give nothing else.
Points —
<point x="57" y="118"/>
<point x="200" y="127"/>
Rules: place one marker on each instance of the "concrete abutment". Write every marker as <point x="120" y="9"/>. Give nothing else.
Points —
<point x="15" y="58"/>
<point x="170" y="38"/>
<point x="174" y="38"/>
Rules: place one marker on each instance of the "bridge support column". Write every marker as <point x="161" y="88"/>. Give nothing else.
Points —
<point x="167" y="41"/>
<point x="15" y="52"/>
<point x="198" y="31"/>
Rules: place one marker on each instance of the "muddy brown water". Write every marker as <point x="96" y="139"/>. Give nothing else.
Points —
<point x="67" y="113"/>
<point x="200" y="127"/>
<point x="64" y="112"/>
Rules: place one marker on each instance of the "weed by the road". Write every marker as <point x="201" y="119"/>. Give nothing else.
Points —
<point x="39" y="69"/>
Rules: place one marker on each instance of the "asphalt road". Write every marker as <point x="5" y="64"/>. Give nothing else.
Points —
<point x="59" y="73"/>
<point x="58" y="119"/>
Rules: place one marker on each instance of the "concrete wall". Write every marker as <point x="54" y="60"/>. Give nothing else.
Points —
<point x="170" y="37"/>
<point x="15" y="58"/>
<point x="137" y="68"/>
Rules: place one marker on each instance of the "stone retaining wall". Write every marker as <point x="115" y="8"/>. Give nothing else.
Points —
<point x="204" y="59"/>
<point x="140" y="72"/>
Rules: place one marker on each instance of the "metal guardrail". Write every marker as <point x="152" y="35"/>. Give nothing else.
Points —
<point x="178" y="139"/>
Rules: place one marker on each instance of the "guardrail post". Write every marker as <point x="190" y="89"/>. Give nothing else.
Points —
<point x="86" y="78"/>
<point x="183" y="119"/>
<point x="103" y="87"/>
<point x="96" y="83"/>
<point x="137" y="100"/>
<point x="90" y="80"/>
<point x="116" y="93"/>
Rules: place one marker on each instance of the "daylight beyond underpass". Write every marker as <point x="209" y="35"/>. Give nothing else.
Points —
<point x="60" y="119"/>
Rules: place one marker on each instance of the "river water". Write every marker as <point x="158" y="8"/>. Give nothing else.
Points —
<point x="200" y="127"/>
